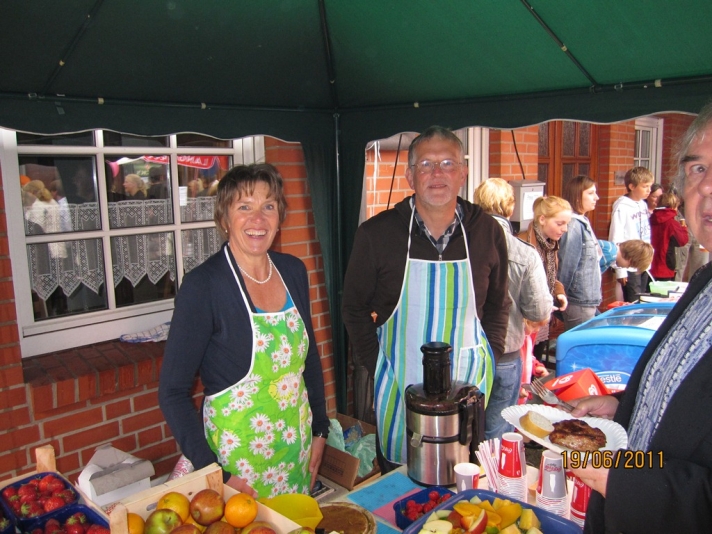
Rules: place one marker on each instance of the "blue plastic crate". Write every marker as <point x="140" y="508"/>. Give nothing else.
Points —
<point x="550" y="523"/>
<point x="21" y="522"/>
<point x="62" y="514"/>
<point x="6" y="513"/>
<point x="420" y="497"/>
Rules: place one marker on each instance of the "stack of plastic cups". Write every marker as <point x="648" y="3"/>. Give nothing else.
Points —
<point x="579" y="501"/>
<point x="551" y="488"/>
<point x="512" y="468"/>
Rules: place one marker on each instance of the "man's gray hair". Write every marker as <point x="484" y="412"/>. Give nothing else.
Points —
<point x="430" y="133"/>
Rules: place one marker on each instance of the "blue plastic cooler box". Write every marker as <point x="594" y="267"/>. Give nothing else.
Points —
<point x="611" y="343"/>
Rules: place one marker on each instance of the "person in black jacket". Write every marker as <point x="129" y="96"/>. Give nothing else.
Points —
<point x="668" y="400"/>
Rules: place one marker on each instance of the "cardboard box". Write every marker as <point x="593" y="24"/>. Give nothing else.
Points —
<point x="209" y="477"/>
<point x="577" y="384"/>
<point x="112" y="475"/>
<point x="340" y="466"/>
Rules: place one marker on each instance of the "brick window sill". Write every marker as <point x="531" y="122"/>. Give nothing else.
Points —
<point x="67" y="377"/>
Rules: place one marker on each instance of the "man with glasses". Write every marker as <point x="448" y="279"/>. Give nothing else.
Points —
<point x="432" y="268"/>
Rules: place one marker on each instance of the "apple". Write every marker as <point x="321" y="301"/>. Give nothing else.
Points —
<point x="258" y="527"/>
<point x="439" y="526"/>
<point x="207" y="506"/>
<point x="302" y="530"/>
<point x="187" y="528"/>
<point x="161" y="521"/>
<point x="220" y="527"/>
<point x="474" y="524"/>
<point x="455" y="518"/>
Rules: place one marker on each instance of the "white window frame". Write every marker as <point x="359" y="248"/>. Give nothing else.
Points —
<point x="49" y="335"/>
<point x="655" y="127"/>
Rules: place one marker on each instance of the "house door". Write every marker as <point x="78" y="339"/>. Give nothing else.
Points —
<point x="567" y="149"/>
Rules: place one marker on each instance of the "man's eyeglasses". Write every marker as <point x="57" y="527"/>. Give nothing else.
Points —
<point x="428" y="167"/>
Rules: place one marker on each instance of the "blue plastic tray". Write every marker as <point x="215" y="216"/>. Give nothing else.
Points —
<point x="7" y="513"/>
<point x="22" y="522"/>
<point x="550" y="523"/>
<point x="61" y="515"/>
<point x="420" y="497"/>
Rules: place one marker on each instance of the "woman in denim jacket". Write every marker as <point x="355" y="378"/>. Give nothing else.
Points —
<point x="579" y="255"/>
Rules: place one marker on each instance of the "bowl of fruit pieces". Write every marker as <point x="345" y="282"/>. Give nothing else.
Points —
<point x="485" y="512"/>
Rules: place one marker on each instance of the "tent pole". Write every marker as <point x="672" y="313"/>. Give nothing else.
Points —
<point x="340" y="349"/>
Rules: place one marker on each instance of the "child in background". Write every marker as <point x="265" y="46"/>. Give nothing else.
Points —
<point x="667" y="234"/>
<point x="633" y="254"/>
<point x="531" y="366"/>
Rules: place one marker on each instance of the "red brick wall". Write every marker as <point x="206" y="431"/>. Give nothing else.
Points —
<point x="379" y="177"/>
<point x="503" y="162"/>
<point x="674" y="126"/>
<point x="117" y="402"/>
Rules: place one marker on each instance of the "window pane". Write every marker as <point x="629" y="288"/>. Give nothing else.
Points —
<point x="544" y="139"/>
<point x="584" y="139"/>
<point x="198" y="246"/>
<point x="120" y="139"/>
<point x="569" y="132"/>
<point x="144" y="268"/>
<point x="73" y="139"/>
<point x="568" y="172"/>
<point x="543" y="172"/>
<point x="642" y="144"/>
<point x="58" y="194"/>
<point x="139" y="191"/>
<point x="198" y="178"/>
<point x="66" y="278"/>
<point x="190" y="140"/>
<point x="584" y="168"/>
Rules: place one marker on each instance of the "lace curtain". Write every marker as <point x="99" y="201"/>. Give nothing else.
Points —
<point x="67" y="265"/>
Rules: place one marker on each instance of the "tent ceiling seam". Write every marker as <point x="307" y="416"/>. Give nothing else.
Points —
<point x="330" y="69"/>
<point x="72" y="45"/>
<point x="618" y="87"/>
<point x="559" y="42"/>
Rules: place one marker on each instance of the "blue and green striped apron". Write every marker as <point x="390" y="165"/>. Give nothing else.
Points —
<point x="437" y="303"/>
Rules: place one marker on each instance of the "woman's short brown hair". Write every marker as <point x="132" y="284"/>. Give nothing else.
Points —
<point x="573" y="191"/>
<point x="241" y="180"/>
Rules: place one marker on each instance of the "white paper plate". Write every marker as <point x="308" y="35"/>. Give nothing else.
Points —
<point x="616" y="437"/>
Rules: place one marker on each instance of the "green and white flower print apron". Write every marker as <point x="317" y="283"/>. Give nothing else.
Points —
<point x="437" y="303"/>
<point x="260" y="428"/>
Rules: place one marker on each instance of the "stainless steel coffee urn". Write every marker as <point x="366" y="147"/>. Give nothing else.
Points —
<point x="445" y="420"/>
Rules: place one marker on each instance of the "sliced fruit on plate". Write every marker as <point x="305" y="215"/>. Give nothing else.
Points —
<point x="475" y="524"/>
<point x="439" y="526"/>
<point x="466" y="508"/>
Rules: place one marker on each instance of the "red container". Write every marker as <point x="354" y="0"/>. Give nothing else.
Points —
<point x="579" y="501"/>
<point x="420" y="497"/>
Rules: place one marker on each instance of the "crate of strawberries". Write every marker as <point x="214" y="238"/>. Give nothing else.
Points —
<point x="72" y="519"/>
<point x="36" y="496"/>
<point x="414" y="506"/>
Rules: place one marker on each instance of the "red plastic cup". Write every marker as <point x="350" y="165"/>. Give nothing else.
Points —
<point x="511" y="455"/>
<point x="579" y="501"/>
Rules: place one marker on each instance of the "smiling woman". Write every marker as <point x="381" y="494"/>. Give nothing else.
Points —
<point x="263" y="398"/>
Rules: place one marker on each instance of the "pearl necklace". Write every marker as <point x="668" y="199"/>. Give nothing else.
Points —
<point x="255" y="280"/>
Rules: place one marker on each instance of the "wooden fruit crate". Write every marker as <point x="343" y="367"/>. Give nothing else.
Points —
<point x="45" y="461"/>
<point x="143" y="503"/>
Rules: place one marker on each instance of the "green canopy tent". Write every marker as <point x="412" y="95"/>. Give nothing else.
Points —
<point x="334" y="74"/>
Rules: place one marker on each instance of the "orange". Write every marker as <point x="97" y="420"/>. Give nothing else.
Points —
<point x="240" y="510"/>
<point x="136" y="523"/>
<point x="177" y="502"/>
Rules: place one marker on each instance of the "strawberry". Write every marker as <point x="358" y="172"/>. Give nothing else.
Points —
<point x="9" y="492"/>
<point x="76" y="528"/>
<point x="53" y="503"/>
<point x="45" y="481"/>
<point x="56" y="484"/>
<point x="31" y="509"/>
<point x="28" y="497"/>
<point x="67" y="494"/>
<point x="37" y="531"/>
<point x="98" y="529"/>
<point x="27" y="489"/>
<point x="52" y="525"/>
<point x="34" y="482"/>
<point x="78" y="517"/>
